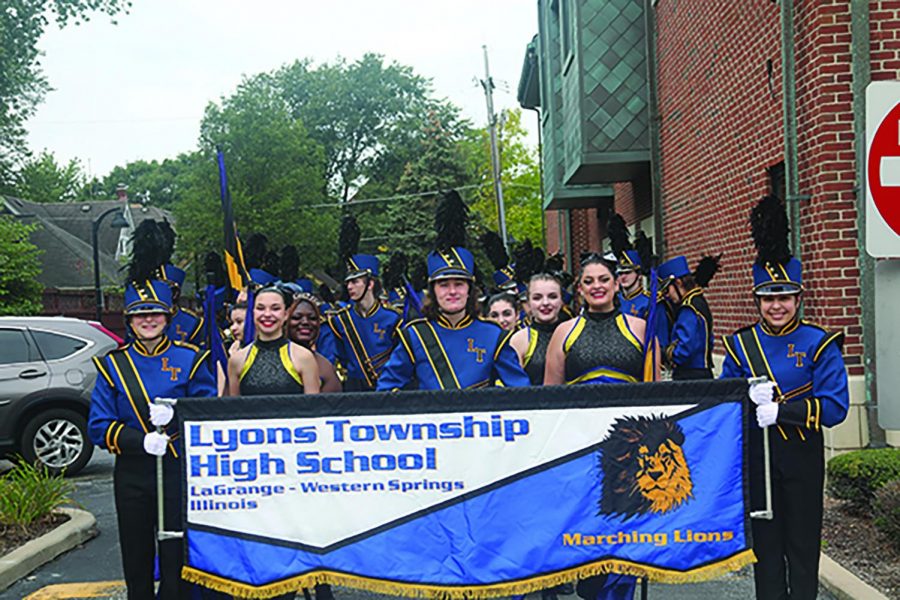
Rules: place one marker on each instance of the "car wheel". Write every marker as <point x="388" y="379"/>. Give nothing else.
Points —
<point x="58" y="439"/>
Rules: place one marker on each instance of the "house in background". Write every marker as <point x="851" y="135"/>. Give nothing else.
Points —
<point x="67" y="263"/>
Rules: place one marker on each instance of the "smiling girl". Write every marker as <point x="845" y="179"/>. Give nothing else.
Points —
<point x="272" y="364"/>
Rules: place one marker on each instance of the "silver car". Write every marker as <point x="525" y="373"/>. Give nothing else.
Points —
<point x="46" y="379"/>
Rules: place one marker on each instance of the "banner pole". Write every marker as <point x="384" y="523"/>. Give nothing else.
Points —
<point x="161" y="533"/>
<point x="643" y="588"/>
<point x="768" y="514"/>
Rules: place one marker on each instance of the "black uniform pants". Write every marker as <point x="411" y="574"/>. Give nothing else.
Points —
<point x="136" y="511"/>
<point x="787" y="547"/>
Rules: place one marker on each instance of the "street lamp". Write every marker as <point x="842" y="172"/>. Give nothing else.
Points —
<point x="118" y="222"/>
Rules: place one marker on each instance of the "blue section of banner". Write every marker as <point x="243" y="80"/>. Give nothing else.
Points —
<point x="517" y="531"/>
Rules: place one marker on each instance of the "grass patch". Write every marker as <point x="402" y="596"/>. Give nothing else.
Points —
<point x="28" y="493"/>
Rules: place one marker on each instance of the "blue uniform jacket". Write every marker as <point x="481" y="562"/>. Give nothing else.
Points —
<point x="636" y="304"/>
<point x="691" y="340"/>
<point x="478" y="353"/>
<point x="375" y="330"/>
<point x="119" y="418"/>
<point x="806" y="364"/>
<point x="326" y="344"/>
<point x="185" y="326"/>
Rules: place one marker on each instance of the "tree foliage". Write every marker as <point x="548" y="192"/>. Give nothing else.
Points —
<point x="359" y="112"/>
<point x="42" y="179"/>
<point x="161" y="183"/>
<point x="276" y="173"/>
<point x="520" y="175"/>
<point x="20" y="292"/>
<point x="22" y="84"/>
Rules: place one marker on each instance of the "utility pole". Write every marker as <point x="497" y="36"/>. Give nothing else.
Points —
<point x="488" y="84"/>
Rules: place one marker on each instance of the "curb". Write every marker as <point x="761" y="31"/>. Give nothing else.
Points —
<point x="23" y="560"/>
<point x="844" y="584"/>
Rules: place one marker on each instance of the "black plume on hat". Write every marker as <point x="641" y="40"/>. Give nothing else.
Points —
<point x="706" y="269"/>
<point x="528" y="260"/>
<point x="617" y="231"/>
<point x="149" y="250"/>
<point x="554" y="263"/>
<point x="348" y="238"/>
<point x="169" y="236"/>
<point x="395" y="270"/>
<point x="450" y="221"/>
<point x="419" y="275"/>
<point x="326" y="294"/>
<point x="289" y="266"/>
<point x="770" y="230"/>
<point x="214" y="269"/>
<point x="271" y="262"/>
<point x="255" y="251"/>
<point x="644" y="247"/>
<point x="493" y="247"/>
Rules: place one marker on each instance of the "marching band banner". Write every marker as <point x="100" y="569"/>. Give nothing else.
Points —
<point x="466" y="493"/>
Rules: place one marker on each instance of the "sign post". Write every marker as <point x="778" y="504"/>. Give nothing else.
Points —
<point x="883" y="237"/>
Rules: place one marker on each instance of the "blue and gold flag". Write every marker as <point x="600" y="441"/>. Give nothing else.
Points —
<point x="235" y="268"/>
<point x="466" y="494"/>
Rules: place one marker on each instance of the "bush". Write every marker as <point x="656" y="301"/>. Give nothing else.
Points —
<point x="856" y="476"/>
<point x="29" y="492"/>
<point x="886" y="509"/>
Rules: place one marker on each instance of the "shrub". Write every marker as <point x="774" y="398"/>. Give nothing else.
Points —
<point x="886" y="509"/>
<point x="29" y="492"/>
<point x="856" y="476"/>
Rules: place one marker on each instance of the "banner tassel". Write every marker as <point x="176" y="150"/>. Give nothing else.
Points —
<point x="409" y="590"/>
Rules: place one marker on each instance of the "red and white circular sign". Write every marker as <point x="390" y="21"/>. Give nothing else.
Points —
<point x="883" y="169"/>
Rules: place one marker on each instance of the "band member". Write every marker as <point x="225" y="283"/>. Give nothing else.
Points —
<point x="451" y="348"/>
<point x="272" y="363"/>
<point x="633" y="300"/>
<point x="503" y="310"/>
<point x="186" y="326"/>
<point x="601" y="345"/>
<point x="236" y="317"/>
<point x="807" y="390"/>
<point x="531" y="342"/>
<point x="364" y="330"/>
<point x="689" y="352"/>
<point x="304" y="329"/>
<point x="123" y="421"/>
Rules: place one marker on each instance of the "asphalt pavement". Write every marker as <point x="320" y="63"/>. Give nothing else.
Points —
<point x="99" y="561"/>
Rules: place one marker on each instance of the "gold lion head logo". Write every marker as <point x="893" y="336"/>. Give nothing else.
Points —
<point x="644" y="469"/>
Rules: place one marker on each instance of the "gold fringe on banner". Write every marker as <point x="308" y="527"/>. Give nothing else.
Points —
<point x="411" y="590"/>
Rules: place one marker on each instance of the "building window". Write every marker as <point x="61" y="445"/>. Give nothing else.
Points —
<point x="777" y="185"/>
<point x="566" y="27"/>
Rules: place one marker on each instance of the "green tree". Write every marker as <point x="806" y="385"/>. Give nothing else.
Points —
<point x="22" y="84"/>
<point x="162" y="182"/>
<point x="520" y="175"/>
<point x="20" y="292"/>
<point x="276" y="177"/>
<point x="42" y="179"/>
<point x="359" y="112"/>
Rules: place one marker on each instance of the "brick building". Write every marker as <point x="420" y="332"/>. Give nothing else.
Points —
<point x="742" y="99"/>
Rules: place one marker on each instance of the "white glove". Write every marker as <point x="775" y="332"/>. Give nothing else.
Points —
<point x="762" y="393"/>
<point x="155" y="443"/>
<point x="161" y="414"/>
<point x="766" y="414"/>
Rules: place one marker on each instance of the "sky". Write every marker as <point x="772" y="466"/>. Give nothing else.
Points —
<point x="137" y="90"/>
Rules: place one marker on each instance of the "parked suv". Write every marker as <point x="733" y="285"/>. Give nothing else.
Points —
<point x="46" y="379"/>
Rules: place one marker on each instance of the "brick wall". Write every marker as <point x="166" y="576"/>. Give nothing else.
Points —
<point x="721" y="129"/>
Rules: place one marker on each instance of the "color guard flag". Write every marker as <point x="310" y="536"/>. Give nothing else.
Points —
<point x="234" y="257"/>
<point x="466" y="494"/>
